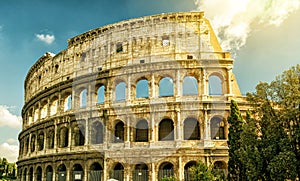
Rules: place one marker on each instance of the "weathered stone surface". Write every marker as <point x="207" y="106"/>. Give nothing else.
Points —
<point x="71" y="128"/>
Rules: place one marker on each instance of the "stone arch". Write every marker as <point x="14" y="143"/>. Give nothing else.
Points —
<point x="119" y="132"/>
<point x="189" y="85"/>
<point x="96" y="172"/>
<point x="62" y="172"/>
<point x="67" y="101"/>
<point x="83" y="97"/>
<point x="38" y="173"/>
<point x="36" y="115"/>
<point x="142" y="88"/>
<point x="140" y="172"/>
<point x="166" y="87"/>
<point x="217" y="128"/>
<point x="220" y="168"/>
<point x="78" y="132"/>
<point x="25" y="174"/>
<point x="142" y="131"/>
<point x="166" y="169"/>
<point x="50" y="138"/>
<point x="187" y="166"/>
<point x="53" y="105"/>
<point x="100" y="94"/>
<point x="32" y="143"/>
<point x="117" y="172"/>
<point x="166" y="130"/>
<point x="77" y="172"/>
<point x="44" y="109"/>
<point x="97" y="133"/>
<point x="49" y="173"/>
<point x="27" y="142"/>
<point x="30" y="174"/>
<point x="120" y="91"/>
<point x="191" y="129"/>
<point x="40" y="140"/>
<point x="216" y="84"/>
<point x="63" y="137"/>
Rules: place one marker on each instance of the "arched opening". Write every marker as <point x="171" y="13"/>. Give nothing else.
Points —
<point x="140" y="172"/>
<point x="118" y="172"/>
<point x="220" y="168"/>
<point x="79" y="134"/>
<point x="63" y="137"/>
<point x="25" y="175"/>
<point x="40" y="141"/>
<point x="191" y="129"/>
<point x="166" y="87"/>
<point x="36" y="114"/>
<point x="142" y="89"/>
<point x="30" y="175"/>
<point x="39" y="174"/>
<point x="119" y="132"/>
<point x="77" y="172"/>
<point x="190" y="86"/>
<point x="141" y="132"/>
<point x="121" y="91"/>
<point x="44" y="110"/>
<point x="62" y="172"/>
<point x="217" y="128"/>
<point x="215" y="85"/>
<point x="53" y="106"/>
<point x="166" y="169"/>
<point x="96" y="172"/>
<point x="49" y="173"/>
<point x="32" y="143"/>
<point x="100" y="94"/>
<point x="166" y="130"/>
<point x="50" y="139"/>
<point x="97" y="134"/>
<point x="83" y="98"/>
<point x="187" y="172"/>
<point x="68" y="103"/>
<point x="27" y="145"/>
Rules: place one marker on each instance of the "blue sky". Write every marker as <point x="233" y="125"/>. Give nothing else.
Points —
<point x="29" y="28"/>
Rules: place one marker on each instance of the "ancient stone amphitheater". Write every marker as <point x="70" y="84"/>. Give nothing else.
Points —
<point x="136" y="100"/>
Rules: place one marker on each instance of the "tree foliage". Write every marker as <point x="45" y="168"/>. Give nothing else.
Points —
<point x="200" y="172"/>
<point x="235" y="121"/>
<point x="274" y="135"/>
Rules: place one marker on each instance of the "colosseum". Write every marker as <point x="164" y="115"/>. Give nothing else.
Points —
<point x="136" y="100"/>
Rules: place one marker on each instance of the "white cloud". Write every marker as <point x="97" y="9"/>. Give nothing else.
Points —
<point x="8" y="119"/>
<point x="11" y="140"/>
<point x="47" y="38"/>
<point x="10" y="152"/>
<point x="233" y="20"/>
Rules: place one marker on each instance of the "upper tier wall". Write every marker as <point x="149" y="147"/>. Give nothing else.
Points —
<point x="165" y="37"/>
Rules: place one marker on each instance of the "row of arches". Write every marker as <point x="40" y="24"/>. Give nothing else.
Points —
<point x="190" y="87"/>
<point x="139" y="172"/>
<point x="141" y="131"/>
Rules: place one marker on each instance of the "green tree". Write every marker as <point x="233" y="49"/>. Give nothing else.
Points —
<point x="276" y="108"/>
<point x="200" y="172"/>
<point x="235" y="120"/>
<point x="249" y="153"/>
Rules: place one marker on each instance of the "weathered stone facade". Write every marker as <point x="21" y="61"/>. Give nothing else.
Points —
<point x="135" y="100"/>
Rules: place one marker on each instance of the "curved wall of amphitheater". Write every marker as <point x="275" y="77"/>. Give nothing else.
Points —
<point x="135" y="100"/>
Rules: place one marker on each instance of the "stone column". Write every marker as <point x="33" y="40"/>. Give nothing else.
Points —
<point x="181" y="176"/>
<point x="178" y="84"/>
<point x="153" y="95"/>
<point x="206" y="126"/>
<point x="128" y="89"/>
<point x="179" y="136"/>
<point x="229" y="74"/>
<point x="205" y="86"/>
<point x="152" y="128"/>
<point x="55" y="135"/>
<point x="153" y="172"/>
